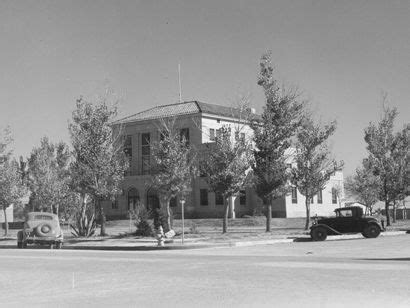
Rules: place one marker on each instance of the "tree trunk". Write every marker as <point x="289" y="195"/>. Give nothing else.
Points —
<point x="225" y="218"/>
<point x="83" y="205"/>
<point x="394" y="212"/>
<point x="386" y="207"/>
<point x="102" y="218"/>
<point x="269" y="214"/>
<point x="6" y="223"/>
<point x="169" y="215"/>
<point x="307" y="203"/>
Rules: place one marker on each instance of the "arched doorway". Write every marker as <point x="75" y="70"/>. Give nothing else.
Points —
<point x="152" y="199"/>
<point x="133" y="199"/>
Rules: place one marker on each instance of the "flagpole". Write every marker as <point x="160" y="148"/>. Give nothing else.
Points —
<point x="179" y="81"/>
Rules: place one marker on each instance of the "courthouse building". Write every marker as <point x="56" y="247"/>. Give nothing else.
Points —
<point x="199" y="123"/>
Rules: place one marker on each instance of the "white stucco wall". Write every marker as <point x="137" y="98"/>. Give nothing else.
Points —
<point x="215" y="122"/>
<point x="326" y="208"/>
<point x="9" y="213"/>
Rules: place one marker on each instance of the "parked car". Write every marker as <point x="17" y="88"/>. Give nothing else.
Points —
<point x="347" y="220"/>
<point x="41" y="228"/>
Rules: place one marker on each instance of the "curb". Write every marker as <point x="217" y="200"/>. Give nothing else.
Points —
<point x="202" y="245"/>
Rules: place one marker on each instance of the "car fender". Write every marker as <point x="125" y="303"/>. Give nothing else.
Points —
<point x="326" y="227"/>
<point x="376" y="224"/>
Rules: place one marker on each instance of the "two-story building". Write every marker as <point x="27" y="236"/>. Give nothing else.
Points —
<point x="199" y="123"/>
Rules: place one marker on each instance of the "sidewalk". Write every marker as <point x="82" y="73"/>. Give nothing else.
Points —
<point x="133" y="243"/>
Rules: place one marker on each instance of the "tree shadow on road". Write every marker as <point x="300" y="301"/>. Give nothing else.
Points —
<point x="385" y="259"/>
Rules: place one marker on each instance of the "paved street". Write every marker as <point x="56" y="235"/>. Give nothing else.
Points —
<point x="349" y="273"/>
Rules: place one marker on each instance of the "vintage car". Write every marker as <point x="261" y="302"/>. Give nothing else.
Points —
<point x="347" y="220"/>
<point x="41" y="228"/>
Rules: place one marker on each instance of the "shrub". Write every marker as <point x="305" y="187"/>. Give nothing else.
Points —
<point x="144" y="228"/>
<point x="141" y="216"/>
<point x="84" y="226"/>
<point x="193" y="229"/>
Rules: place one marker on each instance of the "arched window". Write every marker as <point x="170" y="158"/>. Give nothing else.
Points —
<point x="133" y="199"/>
<point x="173" y="202"/>
<point x="152" y="199"/>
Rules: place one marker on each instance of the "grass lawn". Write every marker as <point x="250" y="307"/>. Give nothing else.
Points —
<point x="238" y="229"/>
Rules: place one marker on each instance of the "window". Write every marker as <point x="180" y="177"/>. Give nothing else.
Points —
<point x="218" y="134"/>
<point x="202" y="168"/>
<point x="173" y="202"/>
<point x="294" y="195"/>
<point x="128" y="146"/>
<point x="145" y="151"/>
<point x="133" y="199"/>
<point x="42" y="217"/>
<point x="163" y="135"/>
<point x="184" y="135"/>
<point x="319" y="197"/>
<point x="203" y="195"/>
<point x="212" y="134"/>
<point x="334" y="196"/>
<point x="219" y="198"/>
<point x="289" y="166"/>
<point x="128" y="150"/>
<point x="242" y="197"/>
<point x="344" y="213"/>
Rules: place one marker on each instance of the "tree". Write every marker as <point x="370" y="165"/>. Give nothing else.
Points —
<point x="225" y="166"/>
<point x="280" y="119"/>
<point x="338" y="190"/>
<point x="48" y="176"/>
<point x="11" y="185"/>
<point x="363" y="185"/>
<point x="388" y="158"/>
<point x="174" y="166"/>
<point x="5" y="141"/>
<point x="314" y="164"/>
<point x="401" y="156"/>
<point x="99" y="162"/>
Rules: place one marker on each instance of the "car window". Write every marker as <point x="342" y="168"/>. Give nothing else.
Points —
<point x="42" y="217"/>
<point x="346" y="213"/>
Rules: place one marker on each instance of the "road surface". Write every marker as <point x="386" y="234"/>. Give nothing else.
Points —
<point x="349" y="273"/>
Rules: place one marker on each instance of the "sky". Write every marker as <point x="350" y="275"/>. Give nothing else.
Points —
<point x="342" y="55"/>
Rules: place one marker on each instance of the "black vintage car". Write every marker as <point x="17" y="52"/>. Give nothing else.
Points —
<point x="347" y="220"/>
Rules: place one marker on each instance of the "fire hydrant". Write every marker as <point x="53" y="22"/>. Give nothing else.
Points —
<point x="160" y="237"/>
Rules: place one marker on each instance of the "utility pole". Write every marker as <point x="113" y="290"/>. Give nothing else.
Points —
<point x="182" y="195"/>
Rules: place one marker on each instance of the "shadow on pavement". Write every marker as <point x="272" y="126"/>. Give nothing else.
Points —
<point x="385" y="259"/>
<point x="301" y="239"/>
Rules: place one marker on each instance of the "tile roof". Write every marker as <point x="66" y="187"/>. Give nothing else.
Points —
<point x="184" y="108"/>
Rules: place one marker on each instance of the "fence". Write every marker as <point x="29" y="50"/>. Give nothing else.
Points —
<point x="400" y="213"/>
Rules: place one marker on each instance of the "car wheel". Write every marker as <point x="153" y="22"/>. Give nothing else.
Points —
<point x="59" y="245"/>
<point x="318" y="234"/>
<point x="371" y="231"/>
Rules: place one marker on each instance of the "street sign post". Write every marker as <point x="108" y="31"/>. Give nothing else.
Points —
<point x="182" y="214"/>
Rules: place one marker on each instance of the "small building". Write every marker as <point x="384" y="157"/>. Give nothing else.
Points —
<point x="199" y="123"/>
<point x="322" y="204"/>
<point x="9" y="213"/>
